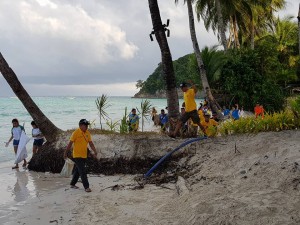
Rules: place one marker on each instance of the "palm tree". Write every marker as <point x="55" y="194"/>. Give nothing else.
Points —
<point x="213" y="61"/>
<point x="102" y="105"/>
<point x="242" y="18"/>
<point x="283" y="32"/>
<point x="212" y="15"/>
<point x="167" y="64"/>
<point x="299" y="27"/>
<point x="221" y="25"/>
<point x="145" y="111"/>
<point x="214" y="105"/>
<point x="49" y="130"/>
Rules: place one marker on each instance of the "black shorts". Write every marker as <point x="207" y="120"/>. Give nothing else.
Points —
<point x="192" y="114"/>
<point x="38" y="142"/>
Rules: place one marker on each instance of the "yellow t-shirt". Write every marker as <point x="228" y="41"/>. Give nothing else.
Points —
<point x="201" y="115"/>
<point x="189" y="99"/>
<point x="209" y="127"/>
<point x="80" y="141"/>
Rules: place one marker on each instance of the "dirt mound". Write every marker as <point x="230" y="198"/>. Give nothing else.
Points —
<point x="252" y="179"/>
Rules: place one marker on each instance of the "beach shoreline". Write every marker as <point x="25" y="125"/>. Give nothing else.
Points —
<point x="239" y="179"/>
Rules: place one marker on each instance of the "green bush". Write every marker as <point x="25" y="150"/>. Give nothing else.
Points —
<point x="279" y="121"/>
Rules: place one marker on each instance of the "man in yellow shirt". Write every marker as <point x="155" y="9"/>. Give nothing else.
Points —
<point x="190" y="108"/>
<point x="81" y="138"/>
<point x="209" y="125"/>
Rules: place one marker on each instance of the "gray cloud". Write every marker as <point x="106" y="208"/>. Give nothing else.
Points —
<point x="76" y="42"/>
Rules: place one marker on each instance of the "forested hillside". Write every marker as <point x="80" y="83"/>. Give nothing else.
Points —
<point x="155" y="82"/>
<point x="266" y="74"/>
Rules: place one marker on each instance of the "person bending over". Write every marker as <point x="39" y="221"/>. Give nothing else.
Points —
<point x="190" y="108"/>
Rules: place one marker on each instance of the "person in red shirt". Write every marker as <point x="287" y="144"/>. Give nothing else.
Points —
<point x="259" y="110"/>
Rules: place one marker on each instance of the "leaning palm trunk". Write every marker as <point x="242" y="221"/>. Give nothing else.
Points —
<point x="252" y="34"/>
<point x="213" y="104"/>
<point x="49" y="130"/>
<point x="221" y="26"/>
<point x="299" y="27"/>
<point x="167" y="64"/>
<point x="235" y="32"/>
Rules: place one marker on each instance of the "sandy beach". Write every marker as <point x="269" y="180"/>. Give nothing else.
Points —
<point x="245" y="179"/>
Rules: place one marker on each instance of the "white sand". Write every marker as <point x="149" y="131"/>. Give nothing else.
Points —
<point x="257" y="183"/>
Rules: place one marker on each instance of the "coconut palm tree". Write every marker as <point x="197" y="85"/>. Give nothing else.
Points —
<point x="221" y="25"/>
<point x="145" y="111"/>
<point x="213" y="103"/>
<point x="213" y="61"/>
<point x="243" y="18"/>
<point x="206" y="9"/>
<point x="299" y="27"/>
<point x="49" y="130"/>
<point x="102" y="105"/>
<point x="167" y="64"/>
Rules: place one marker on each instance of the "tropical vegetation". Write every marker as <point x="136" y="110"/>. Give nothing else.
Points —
<point x="245" y="75"/>
<point x="102" y="105"/>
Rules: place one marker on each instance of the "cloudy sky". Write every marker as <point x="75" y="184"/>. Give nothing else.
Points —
<point x="90" y="47"/>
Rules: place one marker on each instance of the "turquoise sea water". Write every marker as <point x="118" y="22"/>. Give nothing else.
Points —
<point x="65" y="113"/>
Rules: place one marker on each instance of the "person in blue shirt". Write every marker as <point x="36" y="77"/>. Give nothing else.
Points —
<point x="133" y="123"/>
<point x="163" y="120"/>
<point x="235" y="112"/>
<point x="226" y="111"/>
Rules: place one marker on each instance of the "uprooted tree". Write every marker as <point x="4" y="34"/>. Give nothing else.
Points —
<point x="49" y="130"/>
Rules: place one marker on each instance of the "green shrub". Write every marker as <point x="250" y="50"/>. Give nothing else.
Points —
<point x="283" y="120"/>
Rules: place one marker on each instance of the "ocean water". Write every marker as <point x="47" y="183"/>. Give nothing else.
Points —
<point x="65" y="113"/>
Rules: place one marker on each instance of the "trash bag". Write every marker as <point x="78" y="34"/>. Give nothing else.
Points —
<point x="68" y="168"/>
<point x="22" y="151"/>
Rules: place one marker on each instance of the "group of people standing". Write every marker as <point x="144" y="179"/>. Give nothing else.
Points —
<point x="190" y="119"/>
<point x="237" y="112"/>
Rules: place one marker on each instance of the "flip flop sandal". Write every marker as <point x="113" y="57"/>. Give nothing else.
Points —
<point x="88" y="190"/>
<point x="74" y="187"/>
<point x="15" y="167"/>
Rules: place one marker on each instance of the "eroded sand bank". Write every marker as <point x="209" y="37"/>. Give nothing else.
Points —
<point x="234" y="180"/>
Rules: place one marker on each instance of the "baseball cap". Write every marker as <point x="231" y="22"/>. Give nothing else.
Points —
<point x="183" y="84"/>
<point x="84" y="121"/>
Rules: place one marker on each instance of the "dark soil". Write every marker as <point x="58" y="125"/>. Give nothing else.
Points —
<point x="49" y="159"/>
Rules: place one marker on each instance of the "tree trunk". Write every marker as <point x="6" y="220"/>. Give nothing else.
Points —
<point x="49" y="130"/>
<point x="252" y="35"/>
<point x="299" y="27"/>
<point x="214" y="105"/>
<point x="221" y="26"/>
<point x="236" y="36"/>
<point x="167" y="64"/>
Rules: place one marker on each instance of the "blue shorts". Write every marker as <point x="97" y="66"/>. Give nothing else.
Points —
<point x="38" y="142"/>
<point x="16" y="142"/>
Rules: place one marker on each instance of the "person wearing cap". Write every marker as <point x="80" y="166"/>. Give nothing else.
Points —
<point x="190" y="108"/>
<point x="81" y="138"/>
<point x="209" y="125"/>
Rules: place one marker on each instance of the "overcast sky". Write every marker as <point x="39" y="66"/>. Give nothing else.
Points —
<point x="90" y="47"/>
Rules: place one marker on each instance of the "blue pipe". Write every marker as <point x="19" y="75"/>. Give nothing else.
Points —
<point x="170" y="153"/>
